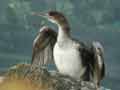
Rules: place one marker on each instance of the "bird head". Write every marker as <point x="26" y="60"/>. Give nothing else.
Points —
<point x="53" y="16"/>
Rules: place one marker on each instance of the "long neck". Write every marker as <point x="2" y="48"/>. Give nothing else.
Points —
<point x="64" y="32"/>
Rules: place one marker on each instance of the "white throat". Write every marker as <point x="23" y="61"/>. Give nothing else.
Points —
<point x="62" y="35"/>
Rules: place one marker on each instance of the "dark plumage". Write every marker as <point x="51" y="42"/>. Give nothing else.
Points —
<point x="99" y="66"/>
<point x="43" y="47"/>
<point x="93" y="59"/>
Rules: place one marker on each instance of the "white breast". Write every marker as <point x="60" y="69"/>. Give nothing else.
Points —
<point x="68" y="61"/>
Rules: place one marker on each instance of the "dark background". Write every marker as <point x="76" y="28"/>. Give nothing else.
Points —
<point x="90" y="20"/>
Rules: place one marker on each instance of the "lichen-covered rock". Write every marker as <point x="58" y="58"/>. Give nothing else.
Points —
<point x="42" y="79"/>
<point x="17" y="71"/>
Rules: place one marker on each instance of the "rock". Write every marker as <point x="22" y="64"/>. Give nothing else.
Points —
<point x="50" y="80"/>
<point x="1" y="79"/>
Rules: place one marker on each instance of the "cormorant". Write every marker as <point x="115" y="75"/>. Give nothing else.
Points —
<point x="72" y="57"/>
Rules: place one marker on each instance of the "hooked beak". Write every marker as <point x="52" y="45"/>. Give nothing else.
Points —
<point x="40" y="14"/>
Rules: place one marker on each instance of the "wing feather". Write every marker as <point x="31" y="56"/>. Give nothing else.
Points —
<point x="42" y="51"/>
<point x="92" y="56"/>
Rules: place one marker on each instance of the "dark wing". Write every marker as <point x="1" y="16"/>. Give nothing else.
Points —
<point x="103" y="71"/>
<point x="99" y="57"/>
<point x="42" y="52"/>
<point x="87" y="56"/>
<point x="92" y="59"/>
<point x="39" y="44"/>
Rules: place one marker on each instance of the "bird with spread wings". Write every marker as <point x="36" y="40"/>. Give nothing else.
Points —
<point x="42" y="53"/>
<point x="91" y="55"/>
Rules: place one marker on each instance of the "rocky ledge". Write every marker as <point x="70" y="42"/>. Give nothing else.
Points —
<point x="42" y="79"/>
